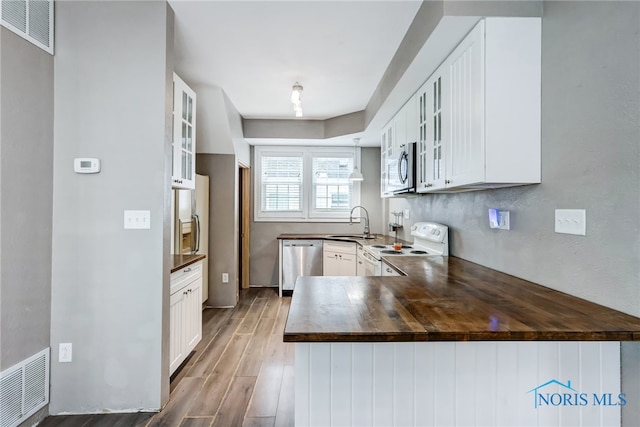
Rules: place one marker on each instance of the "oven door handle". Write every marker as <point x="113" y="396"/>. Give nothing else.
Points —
<point x="368" y="258"/>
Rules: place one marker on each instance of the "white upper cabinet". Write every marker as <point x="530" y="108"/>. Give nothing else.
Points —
<point x="183" y="172"/>
<point x="464" y="112"/>
<point x="478" y="114"/>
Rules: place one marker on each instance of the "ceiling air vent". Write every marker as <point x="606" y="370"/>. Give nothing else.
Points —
<point x="24" y="389"/>
<point x="30" y="19"/>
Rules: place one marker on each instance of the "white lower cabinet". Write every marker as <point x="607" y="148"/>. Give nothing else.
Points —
<point x="185" y="313"/>
<point x="339" y="259"/>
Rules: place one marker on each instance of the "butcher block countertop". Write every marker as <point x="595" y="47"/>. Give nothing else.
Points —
<point x="182" y="261"/>
<point x="446" y="299"/>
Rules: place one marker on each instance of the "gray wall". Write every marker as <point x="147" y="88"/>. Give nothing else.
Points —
<point x="223" y="226"/>
<point x="110" y="285"/>
<point x="264" y="244"/>
<point x="590" y="153"/>
<point x="26" y="172"/>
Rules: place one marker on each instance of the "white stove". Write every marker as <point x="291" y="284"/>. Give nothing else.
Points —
<point x="429" y="239"/>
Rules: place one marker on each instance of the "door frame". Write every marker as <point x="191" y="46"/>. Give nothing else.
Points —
<point x="244" y="173"/>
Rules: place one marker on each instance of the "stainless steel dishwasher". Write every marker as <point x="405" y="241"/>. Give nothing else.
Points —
<point x="300" y="258"/>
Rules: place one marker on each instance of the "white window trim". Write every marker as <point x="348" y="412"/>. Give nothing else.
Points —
<point x="307" y="214"/>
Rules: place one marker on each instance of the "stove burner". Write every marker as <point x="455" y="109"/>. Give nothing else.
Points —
<point x="407" y="247"/>
<point x="378" y="246"/>
<point x="391" y="251"/>
<point x="419" y="252"/>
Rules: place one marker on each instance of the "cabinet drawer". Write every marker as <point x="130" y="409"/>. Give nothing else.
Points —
<point x="340" y="247"/>
<point x="182" y="277"/>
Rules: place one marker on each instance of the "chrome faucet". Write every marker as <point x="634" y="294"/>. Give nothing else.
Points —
<point x="367" y="232"/>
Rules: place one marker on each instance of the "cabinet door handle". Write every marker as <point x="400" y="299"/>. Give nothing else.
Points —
<point x="186" y="270"/>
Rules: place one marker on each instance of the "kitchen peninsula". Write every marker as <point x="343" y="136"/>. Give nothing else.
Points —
<point x="453" y="343"/>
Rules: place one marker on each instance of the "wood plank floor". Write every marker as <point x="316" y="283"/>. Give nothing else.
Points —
<point x="241" y="373"/>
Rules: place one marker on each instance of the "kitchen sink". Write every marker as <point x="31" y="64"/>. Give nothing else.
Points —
<point x="352" y="236"/>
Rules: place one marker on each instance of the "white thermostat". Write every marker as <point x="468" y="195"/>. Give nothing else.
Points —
<point x="86" y="165"/>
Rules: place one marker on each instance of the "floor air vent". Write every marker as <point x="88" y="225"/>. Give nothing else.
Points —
<point x="24" y="389"/>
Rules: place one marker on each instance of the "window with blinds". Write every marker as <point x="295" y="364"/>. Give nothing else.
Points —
<point x="304" y="184"/>
<point x="281" y="185"/>
<point x="331" y="187"/>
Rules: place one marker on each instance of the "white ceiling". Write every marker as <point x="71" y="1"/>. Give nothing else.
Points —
<point x="256" y="50"/>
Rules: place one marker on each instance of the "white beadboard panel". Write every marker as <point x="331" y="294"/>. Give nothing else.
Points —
<point x="425" y="391"/>
<point x="526" y="374"/>
<point x="362" y="383"/>
<point x="466" y="387"/>
<point x="506" y="378"/>
<point x="301" y="384"/>
<point x="610" y="368"/>
<point x="589" y="358"/>
<point x="548" y="368"/>
<point x="444" y="378"/>
<point x="341" y="380"/>
<point x="383" y="392"/>
<point x="456" y="383"/>
<point x="569" y="362"/>
<point x="486" y="371"/>
<point x="320" y="384"/>
<point x="403" y="385"/>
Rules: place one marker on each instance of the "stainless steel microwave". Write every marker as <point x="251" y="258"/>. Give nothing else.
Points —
<point x="405" y="173"/>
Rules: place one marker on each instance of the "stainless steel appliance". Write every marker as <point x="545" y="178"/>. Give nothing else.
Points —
<point x="429" y="239"/>
<point x="300" y="258"/>
<point x="406" y="169"/>
<point x="190" y="225"/>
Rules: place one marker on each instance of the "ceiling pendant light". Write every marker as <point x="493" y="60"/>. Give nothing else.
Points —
<point x="355" y="175"/>
<point x="296" y="92"/>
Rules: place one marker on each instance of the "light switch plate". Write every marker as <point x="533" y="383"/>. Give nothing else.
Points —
<point x="406" y="214"/>
<point x="137" y="220"/>
<point x="571" y="221"/>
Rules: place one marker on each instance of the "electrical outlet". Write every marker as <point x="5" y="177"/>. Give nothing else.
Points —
<point x="571" y="221"/>
<point x="137" y="219"/>
<point x="65" y="352"/>
<point x="406" y="214"/>
<point x="225" y="277"/>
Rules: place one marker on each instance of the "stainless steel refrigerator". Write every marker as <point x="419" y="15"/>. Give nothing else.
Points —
<point x="190" y="225"/>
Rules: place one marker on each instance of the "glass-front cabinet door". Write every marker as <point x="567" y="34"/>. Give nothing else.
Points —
<point x="184" y="135"/>
<point x="386" y="157"/>
<point x="432" y="131"/>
